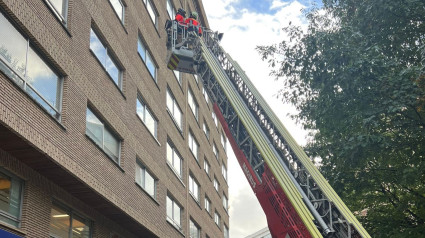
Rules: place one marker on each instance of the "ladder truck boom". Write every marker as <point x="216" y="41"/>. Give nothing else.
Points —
<point x="296" y="198"/>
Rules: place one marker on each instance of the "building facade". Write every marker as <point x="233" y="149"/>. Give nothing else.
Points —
<point x="263" y="233"/>
<point x="97" y="137"/>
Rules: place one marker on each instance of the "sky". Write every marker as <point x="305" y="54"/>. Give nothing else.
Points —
<point x="246" y="24"/>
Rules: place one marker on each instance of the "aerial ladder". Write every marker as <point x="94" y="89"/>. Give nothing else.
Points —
<point x="296" y="198"/>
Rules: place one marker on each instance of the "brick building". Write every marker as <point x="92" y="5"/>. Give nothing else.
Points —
<point x="97" y="137"/>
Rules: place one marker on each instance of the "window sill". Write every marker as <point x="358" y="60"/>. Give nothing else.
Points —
<point x="177" y="228"/>
<point x="147" y="69"/>
<point x="175" y="123"/>
<point x="153" y="199"/>
<point x="175" y="173"/>
<point x="196" y="201"/>
<point x="8" y="227"/>
<point x="62" y="23"/>
<point x="149" y="130"/>
<point x="109" y="157"/>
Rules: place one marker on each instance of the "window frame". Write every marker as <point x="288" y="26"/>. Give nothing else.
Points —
<point x="170" y="3"/>
<point x="7" y="215"/>
<point x="224" y="171"/>
<point x="172" y="220"/>
<point x="191" y="100"/>
<point x="223" y="140"/>
<point x="155" y="12"/>
<point x="217" y="218"/>
<point x="71" y="212"/>
<point x="175" y="105"/>
<point x="225" y="202"/>
<point x="196" y="226"/>
<point x="140" y="167"/>
<point x="207" y="167"/>
<point x="192" y="182"/>
<point x="146" y="109"/>
<point x="207" y="207"/>
<point x="61" y="18"/>
<point x="110" y="131"/>
<point x="215" y="119"/>
<point x="112" y="56"/>
<point x="206" y="130"/>
<point x="193" y="142"/>
<point x="216" y="185"/>
<point x="147" y="55"/>
<point x="122" y="18"/>
<point x="21" y="78"/>
<point x="175" y="153"/>
<point x="216" y="152"/>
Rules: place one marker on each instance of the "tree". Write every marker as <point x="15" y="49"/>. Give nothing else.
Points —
<point x="357" y="77"/>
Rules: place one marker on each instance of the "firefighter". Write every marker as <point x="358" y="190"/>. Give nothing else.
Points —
<point x="180" y="16"/>
<point x="193" y="23"/>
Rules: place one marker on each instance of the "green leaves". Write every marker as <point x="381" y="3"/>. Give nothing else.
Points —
<point x="357" y="78"/>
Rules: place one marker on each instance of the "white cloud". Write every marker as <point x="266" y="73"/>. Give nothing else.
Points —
<point x="243" y="31"/>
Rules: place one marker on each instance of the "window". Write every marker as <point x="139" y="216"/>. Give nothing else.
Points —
<point x="226" y="231"/>
<point x="178" y="76"/>
<point x="205" y="93"/>
<point x="102" y="136"/>
<point x="145" y="179"/>
<point x="64" y="222"/>
<point x="206" y="130"/>
<point x="102" y="52"/>
<point x="225" y="203"/>
<point x="60" y="8"/>
<point x="170" y="9"/>
<point x="193" y="188"/>
<point x="151" y="11"/>
<point x="195" y="231"/>
<point x="215" y="151"/>
<point x="174" y="109"/>
<point x="214" y="116"/>
<point x="146" y="116"/>
<point x="173" y="212"/>
<point x="224" y="171"/>
<point x="20" y="62"/>
<point x="192" y="103"/>
<point x="224" y="141"/>
<point x="217" y="218"/>
<point x="207" y="204"/>
<point x="174" y="159"/>
<point x="216" y="184"/>
<point x="147" y="58"/>
<point x="119" y="8"/>
<point x="193" y="145"/>
<point x="206" y="167"/>
<point x="196" y="78"/>
<point x="10" y="198"/>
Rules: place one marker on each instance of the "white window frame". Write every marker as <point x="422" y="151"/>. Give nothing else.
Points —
<point x="172" y="219"/>
<point x="141" y="172"/>
<point x="176" y="158"/>
<point x="174" y="109"/>
<point x="193" y="145"/>
<point x="193" y="104"/>
<point x="207" y="204"/>
<point x="216" y="184"/>
<point x="61" y="14"/>
<point x="121" y="15"/>
<point x="194" y="188"/>
<point x="146" y="112"/>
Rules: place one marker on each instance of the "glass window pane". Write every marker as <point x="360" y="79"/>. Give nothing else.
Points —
<point x="80" y="228"/>
<point x="59" y="222"/>
<point x="141" y="49"/>
<point x="170" y="9"/>
<point x="151" y="11"/>
<point x="139" y="172"/>
<point x="10" y="199"/>
<point x="178" y="115"/>
<point x="177" y="163"/>
<point x="97" y="47"/>
<point x="170" y="102"/>
<point x="42" y="78"/>
<point x="94" y="128"/>
<point x="177" y="214"/>
<point x="113" y="70"/>
<point x="150" y="123"/>
<point x="169" y="154"/>
<point x="151" y="66"/>
<point x="140" y="109"/>
<point x="149" y="184"/>
<point x="119" y="8"/>
<point x="169" y="208"/>
<point x="13" y="48"/>
<point x="112" y="145"/>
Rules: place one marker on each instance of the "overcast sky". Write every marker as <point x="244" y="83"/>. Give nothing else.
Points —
<point x="246" y="24"/>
